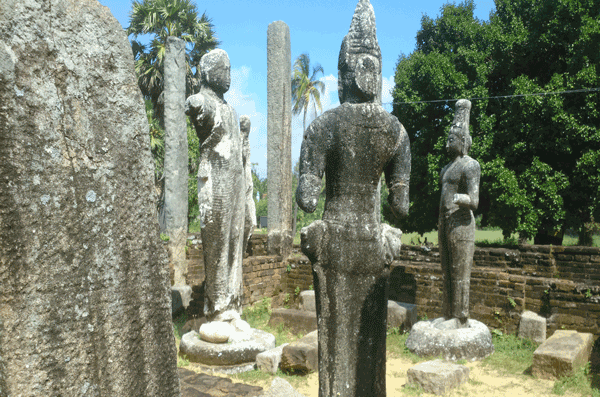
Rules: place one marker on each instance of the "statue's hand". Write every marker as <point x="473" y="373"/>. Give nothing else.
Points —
<point x="462" y="200"/>
<point x="195" y="108"/>
<point x="307" y="194"/>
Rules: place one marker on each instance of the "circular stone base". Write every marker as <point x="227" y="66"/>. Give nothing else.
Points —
<point x="441" y="337"/>
<point x="242" y="352"/>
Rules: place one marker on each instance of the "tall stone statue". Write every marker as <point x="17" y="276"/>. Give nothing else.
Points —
<point x="456" y="228"/>
<point x="250" y="207"/>
<point x="454" y="336"/>
<point x="350" y="249"/>
<point x="221" y="189"/>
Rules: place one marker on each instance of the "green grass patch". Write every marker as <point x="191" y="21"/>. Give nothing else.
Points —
<point x="182" y="361"/>
<point x="195" y="226"/>
<point x="579" y="383"/>
<point x="512" y="355"/>
<point x="412" y="389"/>
<point x="178" y="324"/>
<point x="258" y="316"/>
<point x="396" y="346"/>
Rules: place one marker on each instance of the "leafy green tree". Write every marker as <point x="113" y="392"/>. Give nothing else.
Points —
<point x="306" y="88"/>
<point x="539" y="154"/>
<point x="260" y="191"/>
<point x="161" y="19"/>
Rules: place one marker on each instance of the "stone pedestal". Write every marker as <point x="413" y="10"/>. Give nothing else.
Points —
<point x="532" y="327"/>
<point x="445" y="338"/>
<point x="234" y="356"/>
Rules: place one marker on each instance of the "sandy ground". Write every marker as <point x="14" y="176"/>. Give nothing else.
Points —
<point x="482" y="382"/>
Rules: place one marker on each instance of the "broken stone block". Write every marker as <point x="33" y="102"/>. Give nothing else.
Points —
<point x="301" y="355"/>
<point x="561" y="354"/>
<point x="532" y="326"/>
<point x="269" y="360"/>
<point x="307" y="301"/>
<point x="280" y="388"/>
<point x="298" y="321"/>
<point x="437" y="376"/>
<point x="401" y="315"/>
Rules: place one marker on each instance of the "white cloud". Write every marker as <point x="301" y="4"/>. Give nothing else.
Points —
<point x="386" y="89"/>
<point x="247" y="103"/>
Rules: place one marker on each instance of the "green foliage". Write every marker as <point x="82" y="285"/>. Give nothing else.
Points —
<point x="258" y="314"/>
<point x="511" y="354"/>
<point x="164" y="237"/>
<point x="539" y="155"/>
<point x="579" y="382"/>
<point x="396" y="345"/>
<point x="260" y="190"/>
<point x="193" y="160"/>
<point x="297" y="291"/>
<point x="182" y="361"/>
<point x="163" y="18"/>
<point x="306" y="87"/>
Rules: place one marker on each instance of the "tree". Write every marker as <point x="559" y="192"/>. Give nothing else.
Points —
<point x="306" y="90"/>
<point x="539" y="153"/>
<point x="164" y="18"/>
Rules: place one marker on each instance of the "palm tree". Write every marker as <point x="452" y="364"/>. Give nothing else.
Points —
<point x="305" y="88"/>
<point x="164" y="18"/>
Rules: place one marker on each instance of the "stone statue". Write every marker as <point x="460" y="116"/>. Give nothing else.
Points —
<point x="456" y="228"/>
<point x="350" y="249"/>
<point x="221" y="188"/>
<point x="250" y="208"/>
<point x="223" y="193"/>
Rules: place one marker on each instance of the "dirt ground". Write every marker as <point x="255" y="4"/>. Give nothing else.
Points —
<point x="482" y="382"/>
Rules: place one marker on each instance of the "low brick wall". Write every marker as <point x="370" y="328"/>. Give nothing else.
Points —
<point x="560" y="283"/>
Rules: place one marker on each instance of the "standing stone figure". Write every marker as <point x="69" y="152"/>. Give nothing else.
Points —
<point x="250" y="207"/>
<point x="456" y="228"/>
<point x="350" y="249"/>
<point x="221" y="188"/>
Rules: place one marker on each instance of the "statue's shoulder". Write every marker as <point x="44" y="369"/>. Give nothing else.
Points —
<point x="470" y="164"/>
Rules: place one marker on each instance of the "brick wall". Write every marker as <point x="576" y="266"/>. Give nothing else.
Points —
<point x="560" y="283"/>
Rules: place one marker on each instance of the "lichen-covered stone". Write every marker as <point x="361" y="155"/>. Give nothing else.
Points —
<point x="561" y="354"/>
<point x="437" y="377"/>
<point x="450" y="339"/>
<point x="84" y="288"/>
<point x="349" y="249"/>
<point x="221" y="187"/>
<point x="279" y="142"/>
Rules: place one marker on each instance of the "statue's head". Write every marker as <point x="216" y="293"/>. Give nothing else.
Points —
<point x="459" y="139"/>
<point x="215" y="70"/>
<point x="245" y="125"/>
<point x="359" y="64"/>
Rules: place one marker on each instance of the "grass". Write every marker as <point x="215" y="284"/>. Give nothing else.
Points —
<point x="258" y="316"/>
<point x="512" y="354"/>
<point x="578" y="383"/>
<point x="396" y="346"/>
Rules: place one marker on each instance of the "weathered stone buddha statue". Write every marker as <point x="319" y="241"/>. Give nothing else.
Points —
<point x="350" y="250"/>
<point x="221" y="188"/>
<point x="456" y="227"/>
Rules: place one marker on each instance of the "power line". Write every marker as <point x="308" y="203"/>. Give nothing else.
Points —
<point x="504" y="96"/>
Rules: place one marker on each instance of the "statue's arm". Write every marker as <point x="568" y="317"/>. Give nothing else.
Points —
<point x="397" y="176"/>
<point x="471" y="198"/>
<point x="200" y="116"/>
<point x="312" y="168"/>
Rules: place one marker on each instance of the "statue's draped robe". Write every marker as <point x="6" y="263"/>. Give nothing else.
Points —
<point x="352" y="145"/>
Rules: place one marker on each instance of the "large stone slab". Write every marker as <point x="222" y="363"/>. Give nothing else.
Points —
<point x="401" y="315"/>
<point x="85" y="307"/>
<point x="438" y="377"/>
<point x="269" y="361"/>
<point x="298" y="321"/>
<point x="301" y="355"/>
<point x="561" y="354"/>
<point x="532" y="326"/>
<point x="195" y="384"/>
<point x="233" y="353"/>
<point x="447" y="338"/>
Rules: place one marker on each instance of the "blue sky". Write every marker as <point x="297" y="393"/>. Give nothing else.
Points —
<point x="316" y="27"/>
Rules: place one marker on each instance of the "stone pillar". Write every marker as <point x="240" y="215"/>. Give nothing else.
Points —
<point x="84" y="284"/>
<point x="279" y="138"/>
<point x="176" y="158"/>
